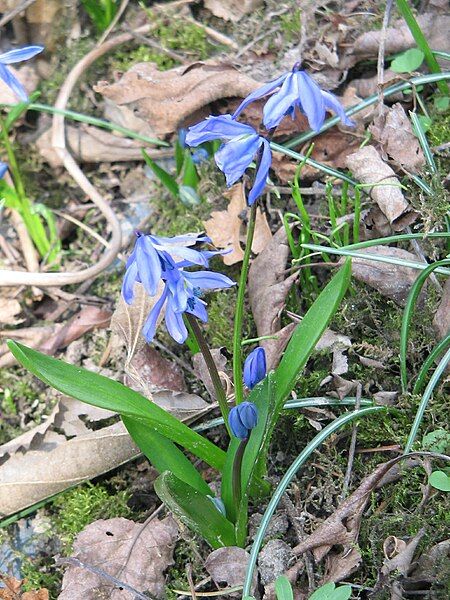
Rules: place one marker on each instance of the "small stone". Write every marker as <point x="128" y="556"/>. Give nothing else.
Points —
<point x="274" y="560"/>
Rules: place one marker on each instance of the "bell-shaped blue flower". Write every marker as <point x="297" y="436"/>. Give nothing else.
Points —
<point x="15" y="56"/>
<point x="255" y="367"/>
<point x="242" y="419"/>
<point x="296" y="89"/>
<point x="241" y="144"/>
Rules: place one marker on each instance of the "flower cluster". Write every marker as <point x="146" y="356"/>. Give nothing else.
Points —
<point x="12" y="57"/>
<point x="294" y="90"/>
<point x="159" y="264"/>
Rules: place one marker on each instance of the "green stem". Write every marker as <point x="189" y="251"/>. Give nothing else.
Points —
<point x="212" y="368"/>
<point x="237" y="336"/>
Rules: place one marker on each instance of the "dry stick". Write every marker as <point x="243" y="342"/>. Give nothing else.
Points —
<point x="101" y="573"/>
<point x="351" y="451"/>
<point x="14" y="278"/>
<point x="380" y="63"/>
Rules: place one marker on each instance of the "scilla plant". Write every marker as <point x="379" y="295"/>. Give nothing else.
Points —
<point x="174" y="272"/>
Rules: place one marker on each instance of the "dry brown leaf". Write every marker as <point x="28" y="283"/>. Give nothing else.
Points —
<point x="164" y="100"/>
<point x="9" y="308"/>
<point x="39" y="474"/>
<point x="268" y="289"/>
<point x="49" y="339"/>
<point x="228" y="566"/>
<point x="369" y="168"/>
<point x="232" y="10"/>
<point x="90" y="145"/>
<point x="135" y="553"/>
<point x="13" y="587"/>
<point x="224" y="226"/>
<point x="392" y="281"/>
<point x="392" y="129"/>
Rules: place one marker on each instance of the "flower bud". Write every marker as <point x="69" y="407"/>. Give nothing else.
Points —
<point x="242" y="419"/>
<point x="255" y="367"/>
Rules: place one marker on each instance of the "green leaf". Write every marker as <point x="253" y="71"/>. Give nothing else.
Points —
<point x="329" y="591"/>
<point x="190" y="176"/>
<point x="408" y="61"/>
<point x="165" y="178"/>
<point x="164" y="455"/>
<point x="283" y="588"/>
<point x="440" y="481"/>
<point x="100" y="391"/>
<point x="195" y="510"/>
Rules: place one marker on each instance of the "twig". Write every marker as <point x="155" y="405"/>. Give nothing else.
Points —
<point x="351" y="451"/>
<point x="381" y="47"/>
<point x="101" y="573"/>
<point x="15" y="11"/>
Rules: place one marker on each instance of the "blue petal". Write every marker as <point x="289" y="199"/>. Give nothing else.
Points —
<point x="261" y="174"/>
<point x="149" y="265"/>
<point x="20" y="54"/>
<point x="311" y="100"/>
<point x="213" y="128"/>
<point x="128" y="282"/>
<point x="13" y="83"/>
<point x="332" y="103"/>
<point x="175" y="324"/>
<point x="235" y="156"/>
<point x="149" y="329"/>
<point x="208" y="280"/>
<point x="260" y="93"/>
<point x="280" y="103"/>
<point x="3" y="169"/>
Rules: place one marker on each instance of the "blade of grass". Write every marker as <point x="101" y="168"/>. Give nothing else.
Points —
<point x="440" y="369"/>
<point x="287" y="478"/>
<point x="408" y="311"/>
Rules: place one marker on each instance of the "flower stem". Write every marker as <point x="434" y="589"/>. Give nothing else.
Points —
<point x="237" y="336"/>
<point x="212" y="368"/>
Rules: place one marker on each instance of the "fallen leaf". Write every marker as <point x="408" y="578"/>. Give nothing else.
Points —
<point x="232" y="10"/>
<point x="268" y="289"/>
<point x="392" y="281"/>
<point x="9" y="308"/>
<point x="39" y="474"/>
<point x="135" y="553"/>
<point x="392" y="129"/>
<point x="165" y="100"/>
<point x="228" y="566"/>
<point x="224" y="227"/>
<point x="369" y="168"/>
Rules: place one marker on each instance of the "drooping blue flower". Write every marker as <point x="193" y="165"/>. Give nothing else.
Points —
<point x="3" y="169"/>
<point x="241" y="144"/>
<point x="242" y="419"/>
<point x="255" y="367"/>
<point x="12" y="57"/>
<point x="296" y="89"/>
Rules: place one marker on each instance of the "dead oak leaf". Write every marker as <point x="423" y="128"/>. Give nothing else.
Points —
<point x="135" y="553"/>
<point x="224" y="227"/>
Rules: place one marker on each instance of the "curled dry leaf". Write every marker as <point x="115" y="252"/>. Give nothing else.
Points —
<point x="268" y="289"/>
<point x="392" y="281"/>
<point x="392" y="129"/>
<point x="232" y="10"/>
<point x="224" y="227"/>
<point x="164" y="100"/>
<point x="135" y="553"/>
<point x="369" y="168"/>
<point x="228" y="566"/>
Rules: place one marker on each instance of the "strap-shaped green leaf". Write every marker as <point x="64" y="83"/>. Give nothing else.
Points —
<point x="100" y="391"/>
<point x="164" y="455"/>
<point x="195" y="510"/>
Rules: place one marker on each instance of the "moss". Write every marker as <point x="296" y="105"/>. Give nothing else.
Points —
<point x="82" y="505"/>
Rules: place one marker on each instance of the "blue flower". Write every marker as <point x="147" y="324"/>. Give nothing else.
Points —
<point x="241" y="144"/>
<point x="255" y="367"/>
<point x="242" y="419"/>
<point x="3" y="169"/>
<point x="296" y="90"/>
<point x="15" y="56"/>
